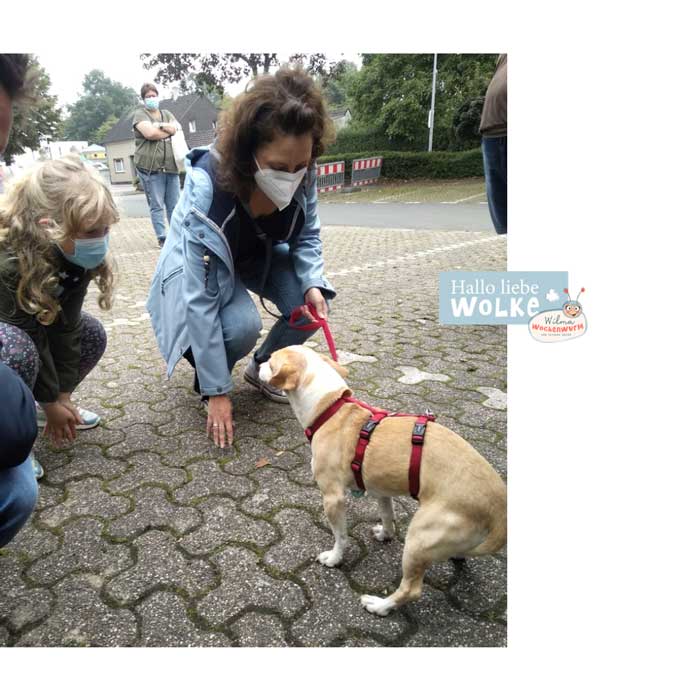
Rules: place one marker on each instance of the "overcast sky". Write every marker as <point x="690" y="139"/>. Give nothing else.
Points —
<point x="67" y="70"/>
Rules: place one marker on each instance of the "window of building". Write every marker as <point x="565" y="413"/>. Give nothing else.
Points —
<point x="118" y="165"/>
<point x="193" y="127"/>
<point x="213" y="125"/>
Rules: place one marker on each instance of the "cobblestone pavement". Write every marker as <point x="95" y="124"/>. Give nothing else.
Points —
<point x="146" y="534"/>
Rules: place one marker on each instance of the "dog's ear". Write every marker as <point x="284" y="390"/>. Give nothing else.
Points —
<point x="338" y="368"/>
<point x="286" y="377"/>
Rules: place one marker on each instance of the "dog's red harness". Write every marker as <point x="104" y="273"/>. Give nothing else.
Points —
<point x="378" y="415"/>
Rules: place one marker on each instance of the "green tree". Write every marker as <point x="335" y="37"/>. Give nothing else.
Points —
<point x="207" y="72"/>
<point x="392" y="93"/>
<point x="102" y="131"/>
<point x="102" y="98"/>
<point x="213" y="70"/>
<point x="36" y="121"/>
<point x="335" y="87"/>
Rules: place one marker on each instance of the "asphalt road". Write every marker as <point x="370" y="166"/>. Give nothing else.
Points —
<point x="466" y="216"/>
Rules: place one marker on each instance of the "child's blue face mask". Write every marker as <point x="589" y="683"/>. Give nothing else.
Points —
<point x="89" y="252"/>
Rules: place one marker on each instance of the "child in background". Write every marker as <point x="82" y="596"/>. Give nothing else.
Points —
<point x="54" y="240"/>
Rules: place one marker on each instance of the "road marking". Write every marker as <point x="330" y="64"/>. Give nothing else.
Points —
<point x="466" y="199"/>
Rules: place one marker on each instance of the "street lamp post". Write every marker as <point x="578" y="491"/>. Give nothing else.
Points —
<point x="431" y="114"/>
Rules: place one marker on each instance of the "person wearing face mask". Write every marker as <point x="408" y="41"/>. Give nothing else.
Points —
<point x="54" y="240"/>
<point x="154" y="159"/>
<point x="247" y="222"/>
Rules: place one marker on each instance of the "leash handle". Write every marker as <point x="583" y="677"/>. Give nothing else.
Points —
<point x="314" y="325"/>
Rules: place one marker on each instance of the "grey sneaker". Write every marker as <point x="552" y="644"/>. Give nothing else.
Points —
<point x="251" y="375"/>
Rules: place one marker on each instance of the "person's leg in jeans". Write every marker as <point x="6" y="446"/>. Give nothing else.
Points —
<point x="495" y="154"/>
<point x="154" y="186"/>
<point x="18" y="496"/>
<point x="283" y="289"/>
<point x="240" y="325"/>
<point x="172" y="194"/>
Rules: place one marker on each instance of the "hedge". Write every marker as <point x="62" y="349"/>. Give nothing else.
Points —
<point x="351" y="140"/>
<point x="410" y="166"/>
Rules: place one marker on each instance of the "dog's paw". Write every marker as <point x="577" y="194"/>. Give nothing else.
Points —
<point x="381" y="534"/>
<point x="329" y="558"/>
<point x="376" y="605"/>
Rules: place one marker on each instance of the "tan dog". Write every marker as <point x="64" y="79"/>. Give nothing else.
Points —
<point x="462" y="498"/>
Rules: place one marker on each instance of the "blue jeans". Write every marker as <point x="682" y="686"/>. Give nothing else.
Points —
<point x="240" y="320"/>
<point x="18" y="496"/>
<point x="495" y="152"/>
<point x="162" y="192"/>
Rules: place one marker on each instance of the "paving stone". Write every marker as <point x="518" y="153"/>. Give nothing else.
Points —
<point x="244" y="583"/>
<point x="83" y="550"/>
<point x="248" y="453"/>
<point x="141" y="438"/>
<point x="30" y="543"/>
<point x="256" y="629"/>
<point x="152" y="509"/>
<point x="147" y="469"/>
<point x="209" y="479"/>
<point x="441" y="625"/>
<point x="165" y="623"/>
<point x="275" y="490"/>
<point x="159" y="563"/>
<point x="99" y="436"/>
<point x="20" y="605"/>
<point x="85" y="498"/>
<point x="80" y="618"/>
<point x="480" y="584"/>
<point x="87" y="461"/>
<point x="336" y="611"/>
<point x="223" y="523"/>
<point x="193" y="446"/>
<point x="302" y="541"/>
<point x="136" y="413"/>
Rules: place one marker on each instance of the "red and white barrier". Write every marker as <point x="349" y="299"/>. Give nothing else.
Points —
<point x="330" y="176"/>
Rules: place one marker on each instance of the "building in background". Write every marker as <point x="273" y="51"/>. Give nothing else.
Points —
<point x="341" y="117"/>
<point x="94" y="152"/>
<point x="196" y="114"/>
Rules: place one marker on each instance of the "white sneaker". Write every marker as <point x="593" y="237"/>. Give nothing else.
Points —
<point x="252" y="376"/>
<point x="90" y="419"/>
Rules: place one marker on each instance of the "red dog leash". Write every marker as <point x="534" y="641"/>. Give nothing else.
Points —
<point x="314" y="325"/>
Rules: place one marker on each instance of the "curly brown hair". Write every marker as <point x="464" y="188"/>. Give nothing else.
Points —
<point x="286" y="103"/>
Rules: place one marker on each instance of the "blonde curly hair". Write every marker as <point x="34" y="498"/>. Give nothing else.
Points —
<point x="68" y="198"/>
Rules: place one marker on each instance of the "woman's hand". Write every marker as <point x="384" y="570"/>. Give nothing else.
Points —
<point x="220" y="421"/>
<point x="313" y="297"/>
<point x="168" y="128"/>
<point x="60" y="423"/>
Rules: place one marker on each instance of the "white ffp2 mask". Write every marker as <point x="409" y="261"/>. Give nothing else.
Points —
<point x="278" y="185"/>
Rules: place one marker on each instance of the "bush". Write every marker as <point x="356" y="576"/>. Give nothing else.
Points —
<point x="350" y="140"/>
<point x="437" y="165"/>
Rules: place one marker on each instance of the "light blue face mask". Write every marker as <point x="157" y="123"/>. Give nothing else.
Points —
<point x="151" y="102"/>
<point x="89" y="253"/>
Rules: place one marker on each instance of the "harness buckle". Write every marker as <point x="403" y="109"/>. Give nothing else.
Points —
<point x="355" y="466"/>
<point x="308" y="433"/>
<point x="367" y="428"/>
<point x="418" y="435"/>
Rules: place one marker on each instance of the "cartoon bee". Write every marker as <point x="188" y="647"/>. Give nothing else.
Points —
<point x="572" y="308"/>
